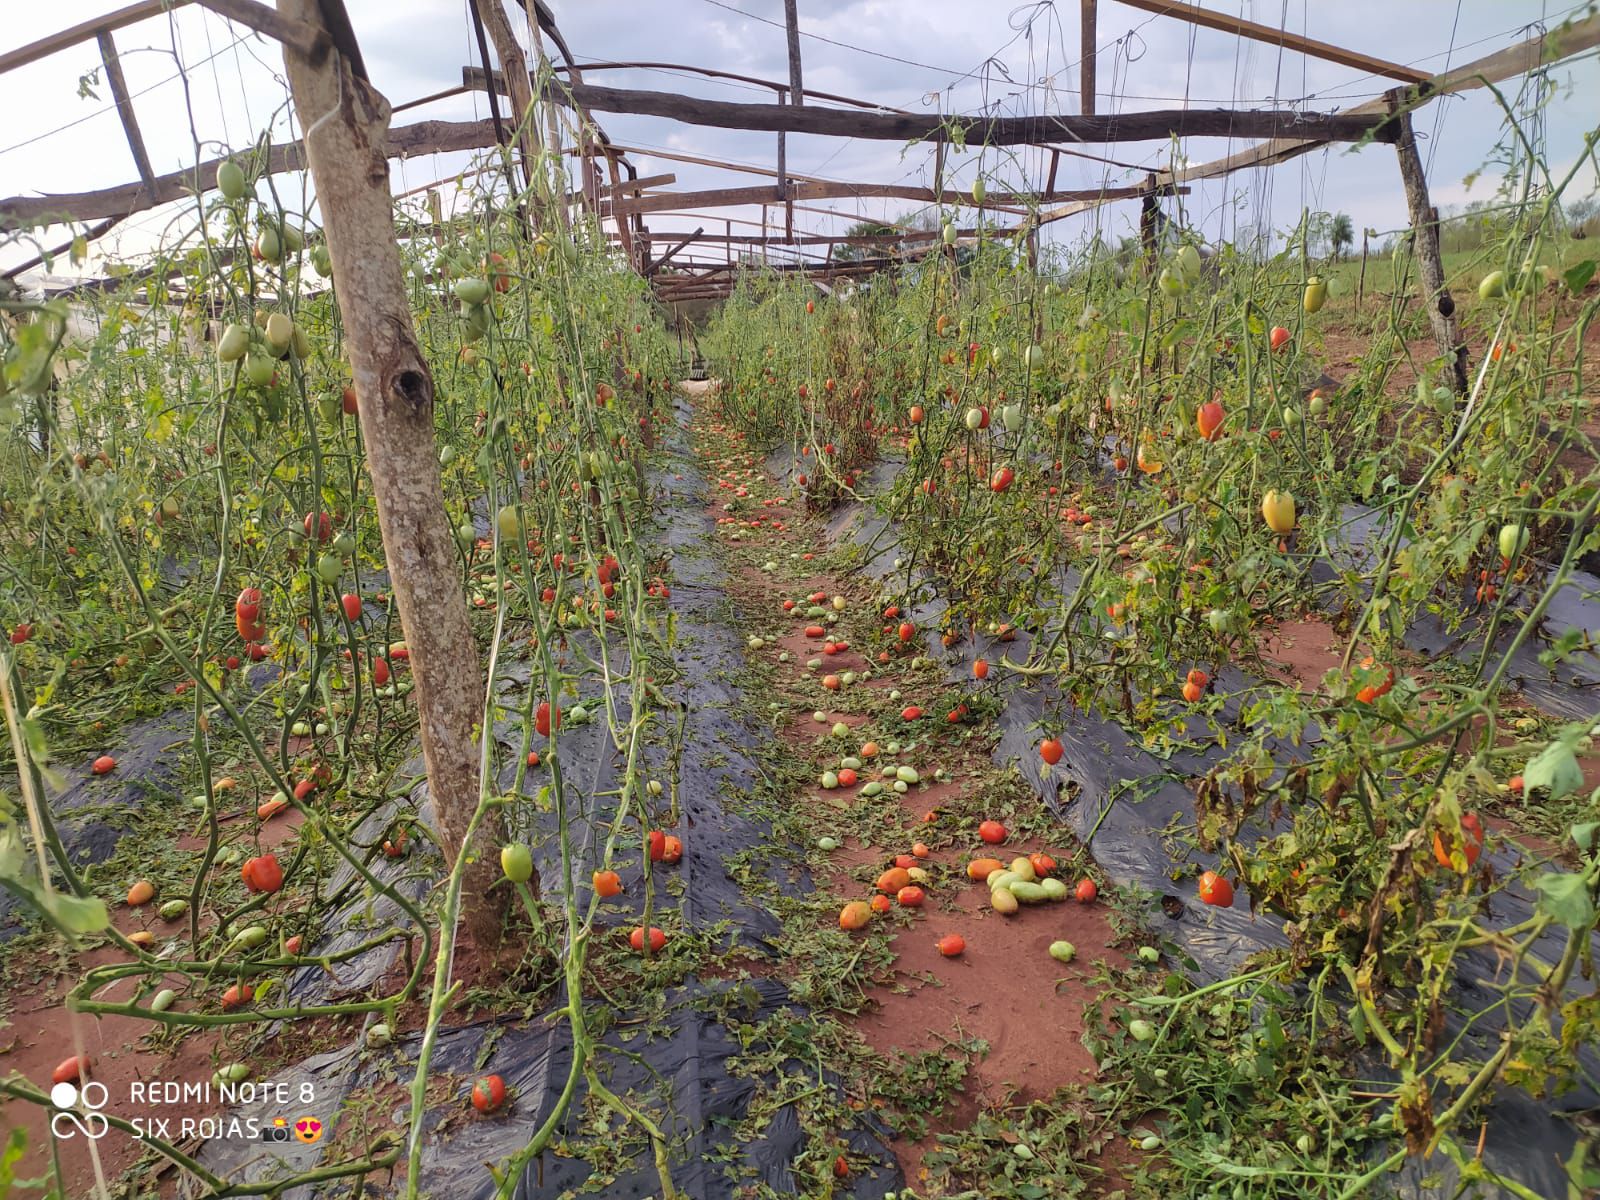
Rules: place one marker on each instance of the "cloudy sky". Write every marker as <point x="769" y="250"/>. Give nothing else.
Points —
<point x="921" y="55"/>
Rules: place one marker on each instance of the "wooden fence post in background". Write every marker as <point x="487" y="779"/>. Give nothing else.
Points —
<point x="346" y="126"/>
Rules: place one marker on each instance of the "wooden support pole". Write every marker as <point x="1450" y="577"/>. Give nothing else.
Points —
<point x="1436" y="298"/>
<point x="1055" y="161"/>
<point x="623" y="231"/>
<point x="1086" y="47"/>
<point x="514" y="66"/>
<point x="119" y="93"/>
<point x="395" y="400"/>
<point x="1148" y="211"/>
<point x="791" y="25"/>
<point x="1361" y="280"/>
<point x="494" y="106"/>
<point x="436" y="212"/>
<point x="783" y="156"/>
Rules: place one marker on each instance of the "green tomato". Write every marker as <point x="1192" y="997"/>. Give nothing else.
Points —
<point x="231" y="181"/>
<point x="516" y="860"/>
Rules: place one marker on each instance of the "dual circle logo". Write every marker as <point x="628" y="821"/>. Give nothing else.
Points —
<point x="69" y="1120"/>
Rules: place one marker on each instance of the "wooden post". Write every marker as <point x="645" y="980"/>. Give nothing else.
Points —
<point x="1361" y="280"/>
<point x="347" y="126"/>
<point x="617" y="211"/>
<point x="436" y="212"/>
<point x="1436" y="298"/>
<point x="1050" y="184"/>
<point x="514" y="70"/>
<point x="1086" y="45"/>
<point x="791" y="22"/>
<point x="119" y="93"/>
<point x="494" y="102"/>
<point x="1148" y="211"/>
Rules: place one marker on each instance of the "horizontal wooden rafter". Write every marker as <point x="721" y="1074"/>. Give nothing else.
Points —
<point x="1210" y="19"/>
<point x="85" y="31"/>
<point x="994" y="131"/>
<point x="424" y="137"/>
<point x="813" y="190"/>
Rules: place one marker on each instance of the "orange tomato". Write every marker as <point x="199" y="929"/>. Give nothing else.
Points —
<point x="607" y="883"/>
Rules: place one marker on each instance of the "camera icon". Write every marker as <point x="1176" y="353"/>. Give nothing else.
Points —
<point x="278" y="1131"/>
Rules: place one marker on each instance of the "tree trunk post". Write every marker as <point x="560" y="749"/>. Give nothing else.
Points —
<point x="1436" y="298"/>
<point x="346" y="123"/>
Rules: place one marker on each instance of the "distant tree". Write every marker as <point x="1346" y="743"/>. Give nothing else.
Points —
<point x="1341" y="235"/>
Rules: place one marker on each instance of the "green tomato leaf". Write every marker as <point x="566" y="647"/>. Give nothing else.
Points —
<point x="1577" y="278"/>
<point x="75" y="914"/>
<point x="1584" y="835"/>
<point x="1564" y="897"/>
<point x="1554" y="769"/>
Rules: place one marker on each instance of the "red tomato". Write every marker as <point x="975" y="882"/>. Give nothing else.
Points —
<point x="658" y="845"/>
<point x="324" y="525"/>
<point x="1001" y="479"/>
<point x="71" y="1070"/>
<point x="907" y="631"/>
<point x="1086" y="891"/>
<point x="607" y="883"/>
<point x="262" y="874"/>
<point x="657" y="939"/>
<point x="237" y="996"/>
<point x="541" y="718"/>
<point x="352" y="606"/>
<point x="104" y="764"/>
<point x="910" y="713"/>
<point x="21" y="634"/>
<point x="910" y="896"/>
<point x="1209" y="420"/>
<point x="488" y="1093"/>
<point x="951" y="944"/>
<point x="992" y="832"/>
<point x="1042" y="864"/>
<point x="1051" y="750"/>
<point x="1215" y="890"/>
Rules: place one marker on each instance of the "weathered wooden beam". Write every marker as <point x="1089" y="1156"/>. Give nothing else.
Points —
<point x="652" y="268"/>
<point x="791" y="27"/>
<point x="994" y="131"/>
<point x="119" y="93"/>
<point x="1574" y="37"/>
<point x="1086" y="67"/>
<point x="841" y="239"/>
<point x="424" y="137"/>
<point x="641" y="184"/>
<point x="838" y="190"/>
<point x="1436" y="298"/>
<point x="524" y="123"/>
<point x="84" y="31"/>
<point x="297" y="35"/>
<point x="1210" y="19"/>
